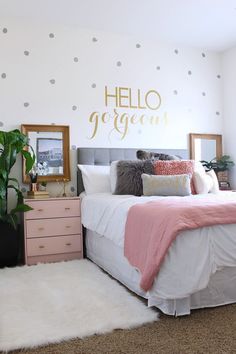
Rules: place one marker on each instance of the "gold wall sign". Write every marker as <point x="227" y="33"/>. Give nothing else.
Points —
<point x="124" y="101"/>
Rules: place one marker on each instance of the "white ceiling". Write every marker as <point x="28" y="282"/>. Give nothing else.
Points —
<point x="209" y="24"/>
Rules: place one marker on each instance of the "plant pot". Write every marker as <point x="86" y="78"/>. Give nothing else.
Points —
<point x="9" y="245"/>
<point x="223" y="176"/>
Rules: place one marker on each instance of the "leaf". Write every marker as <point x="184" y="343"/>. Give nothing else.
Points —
<point x="29" y="160"/>
<point x="13" y="220"/>
<point x="2" y="190"/>
<point x="12" y="143"/>
<point x="14" y="180"/>
<point x="21" y="208"/>
<point x="3" y="174"/>
<point x="11" y="186"/>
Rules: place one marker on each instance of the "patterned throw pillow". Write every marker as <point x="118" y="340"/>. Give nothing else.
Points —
<point x="175" y="168"/>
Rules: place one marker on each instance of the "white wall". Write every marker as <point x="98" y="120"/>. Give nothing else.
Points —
<point x="229" y="99"/>
<point x="83" y="62"/>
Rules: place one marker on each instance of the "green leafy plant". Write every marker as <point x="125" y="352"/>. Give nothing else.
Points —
<point x="13" y="143"/>
<point x="218" y="164"/>
<point x="43" y="184"/>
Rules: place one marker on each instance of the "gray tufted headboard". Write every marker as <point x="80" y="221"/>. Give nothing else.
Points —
<point x="104" y="156"/>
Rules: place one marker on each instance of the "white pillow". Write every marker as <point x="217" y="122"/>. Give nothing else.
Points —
<point x="96" y="179"/>
<point x="205" y="182"/>
<point x="113" y="175"/>
<point x="215" y="188"/>
<point x="198" y="167"/>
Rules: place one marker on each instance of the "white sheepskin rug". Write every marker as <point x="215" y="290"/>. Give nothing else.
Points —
<point x="49" y="303"/>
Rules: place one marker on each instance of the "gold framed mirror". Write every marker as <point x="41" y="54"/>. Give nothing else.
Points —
<point x="205" y="146"/>
<point x="51" y="146"/>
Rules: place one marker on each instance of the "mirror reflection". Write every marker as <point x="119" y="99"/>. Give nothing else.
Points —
<point x="205" y="149"/>
<point x="51" y="146"/>
<point x="48" y="147"/>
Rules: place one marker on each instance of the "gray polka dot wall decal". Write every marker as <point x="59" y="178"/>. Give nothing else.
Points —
<point x="4" y="30"/>
<point x="94" y="39"/>
<point x="218" y="76"/>
<point x="72" y="189"/>
<point x="175" y="92"/>
<point x="189" y="72"/>
<point x="158" y="68"/>
<point x="139" y="131"/>
<point x="204" y="93"/>
<point x="73" y="147"/>
<point x="176" y="51"/>
<point x="217" y="113"/>
<point x="94" y="85"/>
<point x="119" y="63"/>
<point x="26" y="104"/>
<point x="138" y="45"/>
<point x="26" y="52"/>
<point x="203" y="55"/>
<point x="76" y="59"/>
<point x="52" y="81"/>
<point x="74" y="108"/>
<point x="4" y="75"/>
<point x="51" y="35"/>
<point x="1" y="124"/>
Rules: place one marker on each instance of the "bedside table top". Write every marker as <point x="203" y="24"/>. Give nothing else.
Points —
<point x="51" y="198"/>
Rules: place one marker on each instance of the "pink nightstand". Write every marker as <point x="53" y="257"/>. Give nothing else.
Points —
<point x="52" y="230"/>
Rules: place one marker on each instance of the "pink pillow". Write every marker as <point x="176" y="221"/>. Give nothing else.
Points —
<point x="174" y="167"/>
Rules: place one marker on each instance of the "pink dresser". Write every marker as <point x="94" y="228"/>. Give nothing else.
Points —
<point x="52" y="230"/>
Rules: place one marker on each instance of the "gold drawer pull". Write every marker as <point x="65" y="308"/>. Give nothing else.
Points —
<point x="41" y="246"/>
<point x="67" y="208"/>
<point x="40" y="209"/>
<point x="41" y="228"/>
<point x="68" y="226"/>
<point x="68" y="244"/>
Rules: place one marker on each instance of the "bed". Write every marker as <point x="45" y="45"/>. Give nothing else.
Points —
<point x="185" y="280"/>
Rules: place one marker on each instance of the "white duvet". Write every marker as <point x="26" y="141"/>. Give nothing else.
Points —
<point x="191" y="259"/>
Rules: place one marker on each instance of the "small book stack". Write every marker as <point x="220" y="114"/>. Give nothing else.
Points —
<point x="224" y="185"/>
<point x="37" y="194"/>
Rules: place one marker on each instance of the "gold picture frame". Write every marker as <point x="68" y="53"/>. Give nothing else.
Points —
<point x="51" y="146"/>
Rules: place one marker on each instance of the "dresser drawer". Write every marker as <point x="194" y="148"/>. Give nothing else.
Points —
<point x="53" y="208"/>
<point x="54" y="245"/>
<point x="53" y="227"/>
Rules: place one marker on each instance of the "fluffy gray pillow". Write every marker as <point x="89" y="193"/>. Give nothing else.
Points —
<point x="129" y="179"/>
<point x="146" y="155"/>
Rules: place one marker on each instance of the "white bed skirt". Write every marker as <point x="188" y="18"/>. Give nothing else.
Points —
<point x="221" y="289"/>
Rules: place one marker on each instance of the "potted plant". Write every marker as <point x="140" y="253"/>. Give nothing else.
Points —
<point x="220" y="166"/>
<point x="12" y="143"/>
<point x="42" y="186"/>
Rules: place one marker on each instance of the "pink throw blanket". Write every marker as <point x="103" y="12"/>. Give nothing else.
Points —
<point x="153" y="226"/>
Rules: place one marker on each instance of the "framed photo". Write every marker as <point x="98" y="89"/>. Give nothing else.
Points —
<point x="49" y="154"/>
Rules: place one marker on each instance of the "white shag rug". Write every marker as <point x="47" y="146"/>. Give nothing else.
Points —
<point x="49" y="303"/>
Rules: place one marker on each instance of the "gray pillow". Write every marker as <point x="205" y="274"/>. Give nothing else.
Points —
<point x="147" y="155"/>
<point x="166" y="185"/>
<point x="129" y="179"/>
